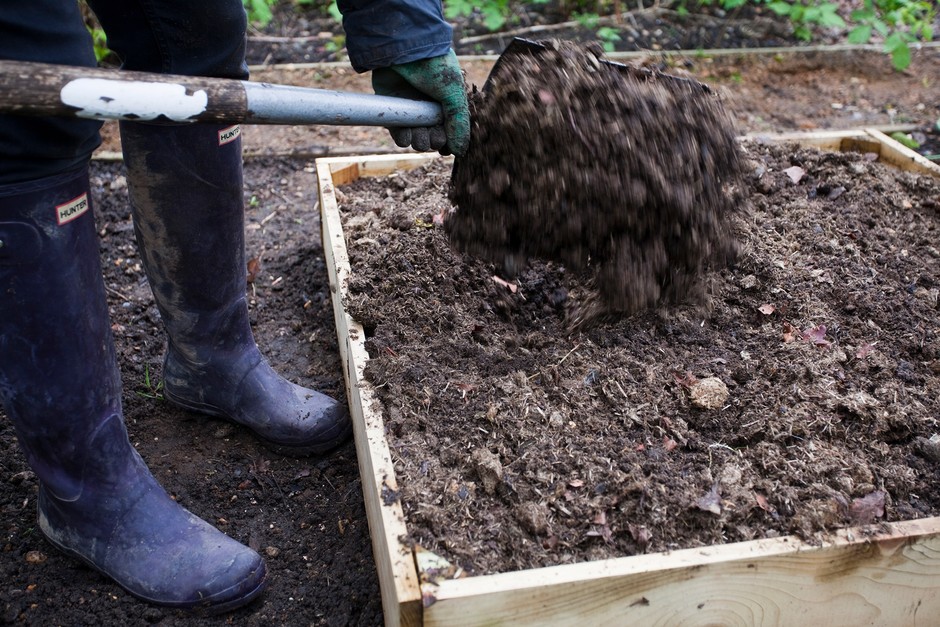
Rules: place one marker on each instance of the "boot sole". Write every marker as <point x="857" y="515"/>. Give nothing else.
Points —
<point x="287" y="450"/>
<point x="197" y="607"/>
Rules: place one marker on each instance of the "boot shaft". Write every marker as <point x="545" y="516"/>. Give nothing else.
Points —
<point x="60" y="386"/>
<point x="185" y="185"/>
<point x="58" y="371"/>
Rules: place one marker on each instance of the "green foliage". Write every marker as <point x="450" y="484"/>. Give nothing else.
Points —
<point x="608" y="37"/>
<point x="260" y="12"/>
<point x="98" y="38"/>
<point x="328" y="8"/>
<point x="896" y="23"/>
<point x="333" y="10"/>
<point x="905" y="139"/>
<point x="587" y="20"/>
<point x="100" y="41"/>
<point x="724" y="4"/>
<point x="806" y="15"/>
<point x="151" y="389"/>
<point x="495" y="13"/>
<point x="899" y="22"/>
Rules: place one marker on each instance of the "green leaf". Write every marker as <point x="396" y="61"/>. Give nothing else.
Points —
<point x="829" y="18"/>
<point x="780" y="8"/>
<point x="457" y="8"/>
<point x="587" y="20"/>
<point x="860" y="35"/>
<point x="894" y="41"/>
<point x="606" y="33"/>
<point x="901" y="57"/>
<point x="905" y="139"/>
<point x="259" y="11"/>
<point x="334" y="12"/>
<point x="493" y="19"/>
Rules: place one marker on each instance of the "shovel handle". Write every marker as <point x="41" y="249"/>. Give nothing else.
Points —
<point x="28" y="88"/>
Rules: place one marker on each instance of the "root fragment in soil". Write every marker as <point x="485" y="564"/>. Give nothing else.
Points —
<point x="626" y="172"/>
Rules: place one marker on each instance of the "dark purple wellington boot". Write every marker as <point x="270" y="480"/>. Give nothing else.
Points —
<point x="187" y="199"/>
<point x="60" y="385"/>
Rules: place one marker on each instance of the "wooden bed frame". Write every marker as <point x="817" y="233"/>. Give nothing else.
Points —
<point x="885" y="574"/>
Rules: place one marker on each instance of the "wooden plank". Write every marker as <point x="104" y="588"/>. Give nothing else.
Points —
<point x="863" y="144"/>
<point x="398" y="577"/>
<point x="870" y="140"/>
<point x="899" y="155"/>
<point x="348" y="169"/>
<point x="880" y="576"/>
<point x="388" y="164"/>
<point x="344" y="174"/>
<point x="823" y="140"/>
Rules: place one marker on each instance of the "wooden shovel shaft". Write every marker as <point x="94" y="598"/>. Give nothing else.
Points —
<point x="94" y="93"/>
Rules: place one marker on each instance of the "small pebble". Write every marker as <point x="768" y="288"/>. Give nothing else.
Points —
<point x="709" y="393"/>
<point x="35" y="557"/>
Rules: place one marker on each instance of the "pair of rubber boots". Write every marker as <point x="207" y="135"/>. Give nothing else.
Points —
<point x="60" y="384"/>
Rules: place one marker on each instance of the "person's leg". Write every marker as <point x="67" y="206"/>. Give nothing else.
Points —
<point x="205" y="38"/>
<point x="60" y="386"/>
<point x="46" y="31"/>
<point x="185" y="183"/>
<point x="59" y="380"/>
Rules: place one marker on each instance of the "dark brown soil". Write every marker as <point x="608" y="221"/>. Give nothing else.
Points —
<point x="625" y="170"/>
<point x="801" y="401"/>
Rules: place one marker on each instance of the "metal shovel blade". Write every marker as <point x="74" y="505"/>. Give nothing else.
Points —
<point x="526" y="47"/>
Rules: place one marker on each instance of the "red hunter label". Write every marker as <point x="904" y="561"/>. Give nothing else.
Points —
<point x="68" y="211"/>
<point x="229" y="134"/>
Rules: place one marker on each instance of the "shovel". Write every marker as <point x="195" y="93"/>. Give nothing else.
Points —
<point x="28" y="88"/>
<point x="526" y="47"/>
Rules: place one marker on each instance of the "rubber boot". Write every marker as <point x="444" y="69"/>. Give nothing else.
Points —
<point x="185" y="185"/>
<point x="60" y="385"/>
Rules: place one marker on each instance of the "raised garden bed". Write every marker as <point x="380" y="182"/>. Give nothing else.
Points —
<point x="887" y="571"/>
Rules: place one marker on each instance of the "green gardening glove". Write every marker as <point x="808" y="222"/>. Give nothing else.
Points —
<point x="439" y="79"/>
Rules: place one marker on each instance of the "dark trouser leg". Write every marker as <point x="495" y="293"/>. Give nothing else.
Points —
<point x="46" y="31"/>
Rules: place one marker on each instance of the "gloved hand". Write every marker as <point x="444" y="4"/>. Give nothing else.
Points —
<point x="439" y="79"/>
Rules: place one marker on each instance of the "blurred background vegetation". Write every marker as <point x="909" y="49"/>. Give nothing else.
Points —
<point x="896" y="25"/>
